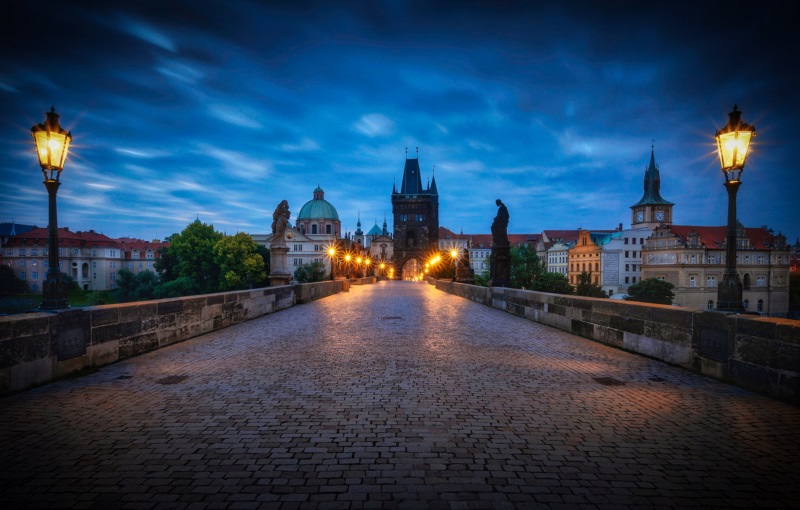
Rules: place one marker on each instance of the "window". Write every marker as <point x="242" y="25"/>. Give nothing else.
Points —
<point x="35" y="275"/>
<point x="150" y="254"/>
<point x="626" y="240"/>
<point x="641" y="240"/>
<point x="140" y="264"/>
<point x="113" y="275"/>
<point x="760" y="305"/>
<point x="297" y="247"/>
<point x="298" y="262"/>
<point x="34" y="252"/>
<point x="130" y="265"/>
<point x="627" y="267"/>
<point x="746" y="304"/>
<point x="94" y="253"/>
<point x="22" y="275"/>
<point x="314" y="229"/>
<point x="9" y="252"/>
<point x="327" y="229"/>
<point x="113" y="265"/>
<point x="711" y="281"/>
<point x="149" y="265"/>
<point x="94" y="264"/>
<point x="693" y="259"/>
<point x="94" y="276"/>
<point x="61" y="252"/>
<point x="710" y="305"/>
<point x="34" y="286"/>
<point x="691" y="281"/>
<point x="22" y="252"/>
<point x="633" y="279"/>
<point x="627" y="279"/>
<point x="761" y="281"/>
<point x="633" y="267"/>
<point x="21" y="263"/>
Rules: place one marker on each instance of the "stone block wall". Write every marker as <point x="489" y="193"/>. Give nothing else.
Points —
<point x="38" y="347"/>
<point x="758" y="353"/>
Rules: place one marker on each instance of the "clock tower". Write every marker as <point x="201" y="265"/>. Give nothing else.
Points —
<point x="652" y="210"/>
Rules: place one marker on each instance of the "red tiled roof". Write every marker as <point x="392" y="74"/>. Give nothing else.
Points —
<point x="66" y="239"/>
<point x="714" y="237"/>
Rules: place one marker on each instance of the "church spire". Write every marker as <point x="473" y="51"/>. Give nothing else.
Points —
<point x="652" y="184"/>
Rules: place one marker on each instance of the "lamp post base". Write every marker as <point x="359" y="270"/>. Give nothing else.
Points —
<point x="729" y="294"/>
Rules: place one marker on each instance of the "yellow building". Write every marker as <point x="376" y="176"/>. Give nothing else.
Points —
<point x="585" y="256"/>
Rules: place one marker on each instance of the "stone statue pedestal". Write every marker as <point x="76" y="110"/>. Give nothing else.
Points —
<point x="279" y="270"/>
<point x="500" y="266"/>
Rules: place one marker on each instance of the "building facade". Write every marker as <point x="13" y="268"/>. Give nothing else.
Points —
<point x="91" y="259"/>
<point x="416" y="221"/>
<point x="692" y="258"/>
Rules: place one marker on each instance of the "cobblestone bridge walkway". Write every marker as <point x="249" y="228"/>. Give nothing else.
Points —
<point x="395" y="395"/>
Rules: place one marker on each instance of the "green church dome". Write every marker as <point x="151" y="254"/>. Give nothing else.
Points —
<point x="318" y="208"/>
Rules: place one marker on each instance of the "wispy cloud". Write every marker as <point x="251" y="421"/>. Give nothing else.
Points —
<point x="374" y="124"/>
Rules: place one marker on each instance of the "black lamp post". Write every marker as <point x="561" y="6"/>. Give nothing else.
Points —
<point x="332" y="256"/>
<point x="733" y="142"/>
<point x="52" y="145"/>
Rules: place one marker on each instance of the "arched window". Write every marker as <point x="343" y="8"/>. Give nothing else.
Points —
<point x="314" y="229"/>
<point x="746" y="304"/>
<point x="746" y="281"/>
<point x="597" y="266"/>
<point x="710" y="305"/>
<point x="760" y="305"/>
<point x="327" y="229"/>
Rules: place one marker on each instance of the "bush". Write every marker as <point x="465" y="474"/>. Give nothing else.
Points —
<point x="309" y="273"/>
<point x="651" y="290"/>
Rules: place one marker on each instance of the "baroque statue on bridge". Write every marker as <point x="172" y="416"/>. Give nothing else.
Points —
<point x="280" y="220"/>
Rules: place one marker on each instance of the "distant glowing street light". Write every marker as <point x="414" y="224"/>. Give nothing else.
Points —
<point x="733" y="142"/>
<point x="454" y="256"/>
<point x="52" y="145"/>
<point x="331" y="256"/>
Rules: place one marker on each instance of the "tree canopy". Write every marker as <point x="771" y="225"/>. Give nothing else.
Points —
<point x="10" y="283"/>
<point x="587" y="288"/>
<point x="240" y="265"/>
<point x="308" y="273"/>
<point x="191" y="255"/>
<point x="651" y="290"/>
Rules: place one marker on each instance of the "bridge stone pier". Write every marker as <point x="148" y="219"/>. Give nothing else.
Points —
<point x="395" y="395"/>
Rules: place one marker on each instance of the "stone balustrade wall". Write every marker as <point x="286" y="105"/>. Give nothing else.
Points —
<point x="38" y="347"/>
<point x="757" y="353"/>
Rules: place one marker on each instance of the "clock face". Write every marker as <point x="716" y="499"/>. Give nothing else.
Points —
<point x="640" y="216"/>
<point x="660" y="215"/>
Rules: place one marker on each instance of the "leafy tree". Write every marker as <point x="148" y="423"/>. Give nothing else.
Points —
<point x="167" y="263"/>
<point x="240" y="266"/>
<point x="10" y="283"/>
<point x="555" y="283"/>
<point x="191" y="255"/>
<point x="587" y="288"/>
<point x="308" y="273"/>
<point x="135" y="287"/>
<point x="182" y="286"/>
<point x="69" y="282"/>
<point x="526" y="267"/>
<point x="264" y="252"/>
<point x="651" y="290"/>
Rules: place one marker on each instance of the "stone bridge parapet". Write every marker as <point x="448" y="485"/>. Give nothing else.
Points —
<point x="758" y="353"/>
<point x="38" y="347"/>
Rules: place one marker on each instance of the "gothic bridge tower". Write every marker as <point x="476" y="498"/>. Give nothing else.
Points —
<point x="416" y="220"/>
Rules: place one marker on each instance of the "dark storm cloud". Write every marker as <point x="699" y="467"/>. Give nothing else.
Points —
<point x="221" y="108"/>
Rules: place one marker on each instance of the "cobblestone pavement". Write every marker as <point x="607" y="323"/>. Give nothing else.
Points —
<point x="395" y="395"/>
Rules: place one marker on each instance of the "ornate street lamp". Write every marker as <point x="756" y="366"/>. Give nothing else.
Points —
<point x="454" y="256"/>
<point x="733" y="142"/>
<point x="52" y="145"/>
<point x="332" y="255"/>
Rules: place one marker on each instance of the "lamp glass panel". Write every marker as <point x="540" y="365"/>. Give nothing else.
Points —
<point x="742" y="144"/>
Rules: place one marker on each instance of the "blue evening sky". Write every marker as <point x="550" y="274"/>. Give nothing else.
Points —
<point x="219" y="110"/>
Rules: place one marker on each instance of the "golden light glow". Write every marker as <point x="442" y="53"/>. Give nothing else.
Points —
<point x="52" y="142"/>
<point x="733" y="145"/>
<point x="347" y="257"/>
<point x="331" y="251"/>
<point x="453" y="253"/>
<point x="383" y="266"/>
<point x="358" y="260"/>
